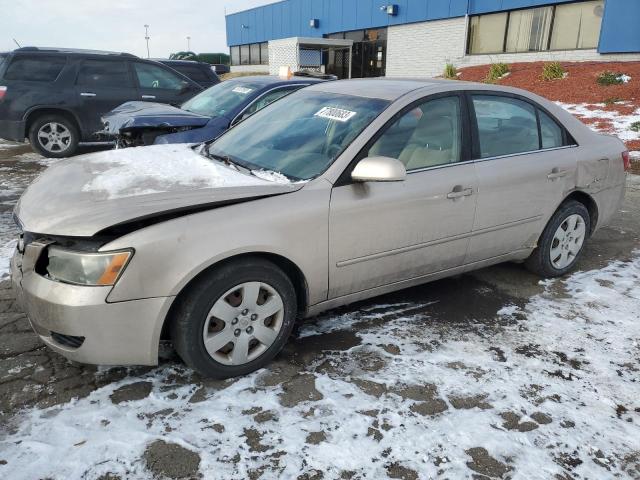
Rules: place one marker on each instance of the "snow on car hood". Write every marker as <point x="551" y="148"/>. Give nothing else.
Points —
<point x="132" y="115"/>
<point x="86" y="194"/>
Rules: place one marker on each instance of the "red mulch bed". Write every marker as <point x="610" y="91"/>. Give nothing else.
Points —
<point x="578" y="87"/>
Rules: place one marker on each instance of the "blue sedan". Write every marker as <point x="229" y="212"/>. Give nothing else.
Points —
<point x="202" y="118"/>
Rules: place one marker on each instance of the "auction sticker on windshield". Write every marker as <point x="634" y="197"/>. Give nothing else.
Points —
<point x="242" y="90"/>
<point x="333" y="113"/>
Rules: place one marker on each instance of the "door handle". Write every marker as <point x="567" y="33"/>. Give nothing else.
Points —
<point x="459" y="192"/>
<point x="557" y="173"/>
<point x="149" y="97"/>
<point x="87" y="94"/>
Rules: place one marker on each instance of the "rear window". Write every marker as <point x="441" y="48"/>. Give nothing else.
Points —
<point x="194" y="73"/>
<point x="37" y="69"/>
<point x="104" y="73"/>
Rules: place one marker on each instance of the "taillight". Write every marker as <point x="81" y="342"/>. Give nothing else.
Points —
<point x="626" y="160"/>
<point x="3" y="92"/>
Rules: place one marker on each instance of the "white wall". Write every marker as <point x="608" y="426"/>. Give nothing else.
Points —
<point x="423" y="49"/>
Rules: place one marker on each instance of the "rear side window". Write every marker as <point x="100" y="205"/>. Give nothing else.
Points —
<point x="104" y="73"/>
<point x="37" y="69"/>
<point x="550" y="132"/>
<point x="505" y="125"/>
<point x="194" y="73"/>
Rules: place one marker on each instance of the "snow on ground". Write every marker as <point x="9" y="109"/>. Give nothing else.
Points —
<point x="560" y="393"/>
<point x="614" y="122"/>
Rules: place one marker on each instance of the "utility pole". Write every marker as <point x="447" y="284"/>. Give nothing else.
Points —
<point x="146" y="37"/>
<point x="188" y="44"/>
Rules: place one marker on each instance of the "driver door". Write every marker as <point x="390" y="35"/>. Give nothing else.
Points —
<point x="381" y="233"/>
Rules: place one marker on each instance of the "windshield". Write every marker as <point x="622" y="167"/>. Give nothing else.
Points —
<point x="221" y="99"/>
<point x="300" y="135"/>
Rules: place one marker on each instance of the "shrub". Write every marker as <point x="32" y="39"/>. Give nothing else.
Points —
<point x="610" y="78"/>
<point x="552" y="71"/>
<point x="635" y="126"/>
<point x="496" y="72"/>
<point x="450" y="72"/>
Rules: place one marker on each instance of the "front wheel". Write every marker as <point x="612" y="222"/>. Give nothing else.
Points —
<point x="562" y="241"/>
<point x="54" y="136"/>
<point x="235" y="319"/>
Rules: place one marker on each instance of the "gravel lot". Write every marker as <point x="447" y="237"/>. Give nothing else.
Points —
<point x="487" y="375"/>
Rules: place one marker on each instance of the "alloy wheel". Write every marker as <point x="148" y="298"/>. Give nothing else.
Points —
<point x="54" y="137"/>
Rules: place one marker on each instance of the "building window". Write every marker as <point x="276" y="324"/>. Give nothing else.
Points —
<point x="264" y="53"/>
<point x="562" y="27"/>
<point x="577" y="25"/>
<point x="528" y="30"/>
<point x="245" y="59"/>
<point x="254" y="53"/>
<point x="486" y="33"/>
<point x="235" y="55"/>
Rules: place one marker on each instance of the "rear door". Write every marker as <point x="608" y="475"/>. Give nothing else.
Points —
<point x="381" y="233"/>
<point x="101" y="85"/>
<point x="525" y="166"/>
<point x="157" y="83"/>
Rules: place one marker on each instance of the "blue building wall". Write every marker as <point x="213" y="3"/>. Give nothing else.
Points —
<point x="290" y="18"/>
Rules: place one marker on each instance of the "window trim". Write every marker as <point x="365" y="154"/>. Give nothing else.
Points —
<point x="465" y="153"/>
<point x="238" y="118"/>
<point x="567" y="139"/>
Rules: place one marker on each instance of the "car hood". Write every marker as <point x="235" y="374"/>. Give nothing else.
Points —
<point x="132" y="115"/>
<point x="85" y="195"/>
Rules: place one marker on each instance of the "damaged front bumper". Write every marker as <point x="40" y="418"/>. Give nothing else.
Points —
<point x="79" y="323"/>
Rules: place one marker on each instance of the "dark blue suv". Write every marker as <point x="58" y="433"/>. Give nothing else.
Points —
<point x="56" y="97"/>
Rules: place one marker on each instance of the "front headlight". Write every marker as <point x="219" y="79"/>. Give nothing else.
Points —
<point x="83" y="268"/>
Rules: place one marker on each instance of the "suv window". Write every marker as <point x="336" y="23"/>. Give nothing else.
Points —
<point x="505" y="125"/>
<point x="153" y="76"/>
<point x="194" y="73"/>
<point x="2" y="57"/>
<point x="38" y="69"/>
<point x="426" y="136"/>
<point x="104" y="73"/>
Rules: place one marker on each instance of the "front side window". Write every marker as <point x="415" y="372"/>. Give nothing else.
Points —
<point x="486" y="33"/>
<point x="104" y="73"/>
<point x="36" y="68"/>
<point x="577" y="25"/>
<point x="300" y="135"/>
<point x="153" y="76"/>
<point x="223" y="99"/>
<point x="194" y="73"/>
<point x="505" y="125"/>
<point x="426" y="136"/>
<point x="528" y="30"/>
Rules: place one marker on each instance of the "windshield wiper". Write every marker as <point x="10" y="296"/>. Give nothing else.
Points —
<point x="227" y="160"/>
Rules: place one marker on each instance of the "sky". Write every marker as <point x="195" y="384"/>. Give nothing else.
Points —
<point x="118" y="25"/>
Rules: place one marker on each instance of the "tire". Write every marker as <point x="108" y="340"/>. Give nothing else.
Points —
<point x="225" y="290"/>
<point x="547" y="263"/>
<point x="64" y="143"/>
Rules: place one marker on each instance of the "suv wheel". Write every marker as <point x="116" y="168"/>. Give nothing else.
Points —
<point x="235" y="319"/>
<point x="562" y="241"/>
<point x="54" y="136"/>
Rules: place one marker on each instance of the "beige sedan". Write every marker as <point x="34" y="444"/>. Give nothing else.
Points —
<point x="337" y="193"/>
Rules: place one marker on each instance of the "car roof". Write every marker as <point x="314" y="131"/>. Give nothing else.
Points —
<point x="178" y="62"/>
<point x="274" y="80"/>
<point x="73" y="51"/>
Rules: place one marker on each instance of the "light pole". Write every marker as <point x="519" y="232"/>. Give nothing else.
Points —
<point x="146" y="37"/>
<point x="188" y="44"/>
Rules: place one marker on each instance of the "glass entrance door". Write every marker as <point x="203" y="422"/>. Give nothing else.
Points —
<point x="368" y="55"/>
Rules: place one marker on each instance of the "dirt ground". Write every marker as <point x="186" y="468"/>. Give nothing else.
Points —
<point x="477" y="376"/>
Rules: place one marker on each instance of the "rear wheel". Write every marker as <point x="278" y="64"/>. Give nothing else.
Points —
<point x="54" y="136"/>
<point x="562" y="241"/>
<point x="235" y="319"/>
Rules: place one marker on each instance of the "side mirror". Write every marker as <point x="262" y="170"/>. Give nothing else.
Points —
<point x="379" y="169"/>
